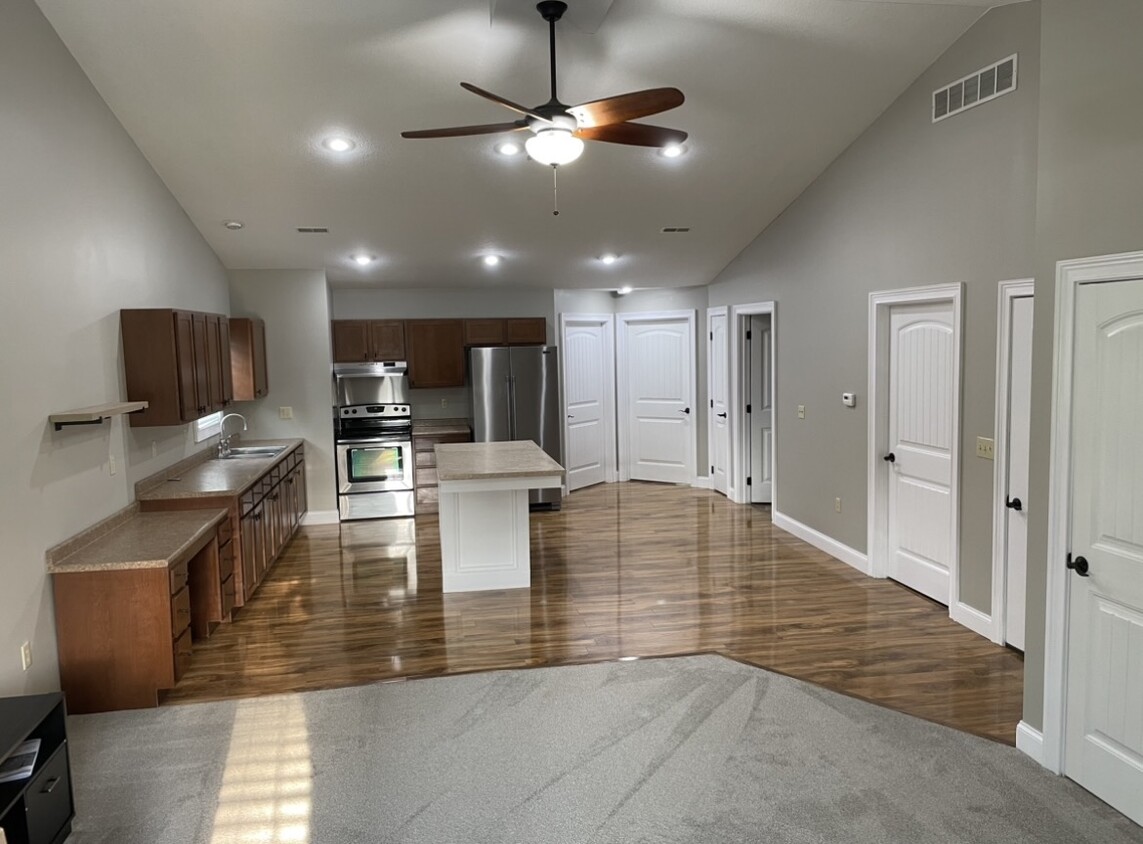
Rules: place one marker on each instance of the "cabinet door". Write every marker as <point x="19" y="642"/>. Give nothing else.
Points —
<point x="529" y="331"/>
<point x="261" y="371"/>
<point x="249" y="530"/>
<point x="484" y="332"/>
<point x="201" y="367"/>
<point x="224" y="361"/>
<point x="351" y="341"/>
<point x="436" y="352"/>
<point x="387" y="339"/>
<point x="184" y="352"/>
<point x="214" y="363"/>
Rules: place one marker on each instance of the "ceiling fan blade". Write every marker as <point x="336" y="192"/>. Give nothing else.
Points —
<point x="496" y="98"/>
<point x="626" y="107"/>
<point x="634" y="134"/>
<point x="458" y="131"/>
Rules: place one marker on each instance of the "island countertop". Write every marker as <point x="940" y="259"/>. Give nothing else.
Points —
<point x="481" y="461"/>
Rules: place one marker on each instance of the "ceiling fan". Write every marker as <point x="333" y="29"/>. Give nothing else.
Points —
<point x="558" y="130"/>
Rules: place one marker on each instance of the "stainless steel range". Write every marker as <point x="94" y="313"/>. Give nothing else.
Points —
<point x="373" y="429"/>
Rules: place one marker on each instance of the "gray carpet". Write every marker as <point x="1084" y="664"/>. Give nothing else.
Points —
<point x="695" y="749"/>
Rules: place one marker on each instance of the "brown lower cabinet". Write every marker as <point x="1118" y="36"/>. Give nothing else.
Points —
<point x="425" y="471"/>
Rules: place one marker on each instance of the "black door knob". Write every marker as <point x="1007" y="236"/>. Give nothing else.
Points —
<point x="1013" y="503"/>
<point x="1078" y="565"/>
<point x="890" y="458"/>
<point x="686" y="410"/>
<point x="722" y="416"/>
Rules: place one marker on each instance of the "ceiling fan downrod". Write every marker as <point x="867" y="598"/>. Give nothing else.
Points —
<point x="552" y="11"/>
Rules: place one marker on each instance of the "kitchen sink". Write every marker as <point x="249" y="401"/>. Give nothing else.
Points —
<point x="237" y="451"/>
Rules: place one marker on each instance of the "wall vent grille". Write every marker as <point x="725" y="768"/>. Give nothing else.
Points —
<point x="313" y="230"/>
<point x="675" y="229"/>
<point x="994" y="81"/>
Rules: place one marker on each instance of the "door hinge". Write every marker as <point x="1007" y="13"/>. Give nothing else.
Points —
<point x="749" y="481"/>
<point x="747" y="408"/>
<point x="712" y="470"/>
<point x="712" y="335"/>
<point x="748" y="335"/>
<point x="712" y="402"/>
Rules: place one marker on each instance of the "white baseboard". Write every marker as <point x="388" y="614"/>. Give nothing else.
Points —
<point x="321" y="517"/>
<point x="819" y="540"/>
<point x="1030" y="741"/>
<point x="972" y="618"/>
<point x="701" y="481"/>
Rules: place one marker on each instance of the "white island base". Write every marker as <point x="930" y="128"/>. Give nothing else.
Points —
<point x="483" y="491"/>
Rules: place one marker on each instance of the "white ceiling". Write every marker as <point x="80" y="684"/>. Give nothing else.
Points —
<point x="230" y="100"/>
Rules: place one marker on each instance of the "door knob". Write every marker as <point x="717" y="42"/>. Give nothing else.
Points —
<point x="722" y="416"/>
<point x="1078" y="565"/>
<point x="686" y="410"/>
<point x="890" y="458"/>
<point x="1013" y="503"/>
<point x="570" y="416"/>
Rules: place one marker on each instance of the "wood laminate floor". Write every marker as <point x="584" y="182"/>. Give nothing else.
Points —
<point x="625" y="570"/>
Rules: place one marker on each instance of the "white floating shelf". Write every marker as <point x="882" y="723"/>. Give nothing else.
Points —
<point x="95" y="414"/>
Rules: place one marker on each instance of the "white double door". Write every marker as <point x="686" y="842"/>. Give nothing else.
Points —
<point x="1104" y="722"/>
<point x="589" y="390"/>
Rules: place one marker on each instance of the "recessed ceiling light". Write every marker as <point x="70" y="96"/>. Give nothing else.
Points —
<point x="609" y="257"/>
<point x="672" y="151"/>
<point x="624" y="290"/>
<point x="491" y="260"/>
<point x="233" y="225"/>
<point x="362" y="259"/>
<point x="508" y="148"/>
<point x="338" y="144"/>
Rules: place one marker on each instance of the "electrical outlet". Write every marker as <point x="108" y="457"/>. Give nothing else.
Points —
<point x="154" y="449"/>
<point x="444" y="402"/>
<point x="285" y="413"/>
<point x="111" y="466"/>
<point x="985" y="448"/>
<point x="26" y="655"/>
<point x="837" y="505"/>
<point x="801" y="411"/>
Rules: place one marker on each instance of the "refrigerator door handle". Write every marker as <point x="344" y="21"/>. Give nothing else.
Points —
<point x="512" y="407"/>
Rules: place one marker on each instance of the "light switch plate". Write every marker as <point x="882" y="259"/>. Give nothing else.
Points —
<point x="26" y="655"/>
<point x="801" y="411"/>
<point x="985" y="448"/>
<point x="285" y="413"/>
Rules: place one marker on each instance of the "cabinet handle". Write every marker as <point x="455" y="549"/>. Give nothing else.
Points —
<point x="50" y="786"/>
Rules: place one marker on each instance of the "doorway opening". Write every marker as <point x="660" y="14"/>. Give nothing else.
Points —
<point x="753" y="381"/>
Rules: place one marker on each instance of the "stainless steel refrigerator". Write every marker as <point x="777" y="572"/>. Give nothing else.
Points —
<point x="516" y="396"/>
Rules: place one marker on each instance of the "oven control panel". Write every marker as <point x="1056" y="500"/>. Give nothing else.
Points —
<point x="375" y="411"/>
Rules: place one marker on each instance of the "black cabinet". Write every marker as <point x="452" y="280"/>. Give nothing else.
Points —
<point x="38" y="809"/>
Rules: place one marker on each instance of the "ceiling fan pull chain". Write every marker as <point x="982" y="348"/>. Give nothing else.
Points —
<point x="555" y="192"/>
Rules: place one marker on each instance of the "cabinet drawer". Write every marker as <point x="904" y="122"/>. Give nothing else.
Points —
<point x="182" y="653"/>
<point x="227" y="596"/>
<point x="180" y="613"/>
<point x="423" y="442"/>
<point x="426" y="476"/>
<point x="426" y="459"/>
<point x="178" y="576"/>
<point x="226" y="562"/>
<point x="48" y="799"/>
<point x="428" y="498"/>
<point x="225" y="531"/>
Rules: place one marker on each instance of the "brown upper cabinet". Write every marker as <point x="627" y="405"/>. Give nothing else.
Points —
<point x="248" y="358"/>
<point x="178" y="362"/>
<point x="436" y="352"/>
<point x="516" y="331"/>
<point x="365" y="340"/>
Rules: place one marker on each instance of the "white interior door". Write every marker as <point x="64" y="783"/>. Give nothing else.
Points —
<point x="761" y="404"/>
<point x="718" y="383"/>
<point x="589" y="421"/>
<point x="657" y="361"/>
<point x="1103" y="748"/>
<point x="1016" y="457"/>
<point x="922" y="401"/>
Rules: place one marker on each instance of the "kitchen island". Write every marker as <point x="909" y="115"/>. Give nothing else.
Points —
<point x="484" y="511"/>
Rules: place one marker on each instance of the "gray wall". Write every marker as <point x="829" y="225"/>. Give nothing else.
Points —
<point x="1090" y="203"/>
<point x="86" y="228"/>
<point x="295" y="306"/>
<point x="909" y="203"/>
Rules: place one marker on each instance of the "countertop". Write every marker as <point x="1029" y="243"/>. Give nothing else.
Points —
<point x="143" y="541"/>
<point x="482" y="461"/>
<point x="438" y="427"/>
<point x="219" y="478"/>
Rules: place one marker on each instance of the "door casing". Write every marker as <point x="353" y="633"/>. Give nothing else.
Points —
<point x="739" y="389"/>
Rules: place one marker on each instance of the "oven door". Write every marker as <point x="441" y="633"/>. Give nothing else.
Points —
<point x="374" y="465"/>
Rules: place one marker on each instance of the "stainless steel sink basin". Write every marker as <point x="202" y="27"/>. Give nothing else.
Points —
<point x="254" y="451"/>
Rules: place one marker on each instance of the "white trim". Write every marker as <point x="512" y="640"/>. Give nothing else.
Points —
<point x="1069" y="275"/>
<point x="206" y="427"/>
<point x="320" y="517"/>
<point x="607" y="412"/>
<point x="820" y="541"/>
<point x="711" y="313"/>
<point x="701" y="482"/>
<point x="623" y="397"/>
<point x="1006" y="292"/>
<point x="877" y="473"/>
<point x="739" y="430"/>
<point x="1030" y="741"/>
<point x="972" y="618"/>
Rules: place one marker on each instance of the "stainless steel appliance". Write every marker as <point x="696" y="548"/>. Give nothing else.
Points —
<point x="516" y="396"/>
<point x="373" y="430"/>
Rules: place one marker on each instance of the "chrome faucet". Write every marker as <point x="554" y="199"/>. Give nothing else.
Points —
<point x="224" y="438"/>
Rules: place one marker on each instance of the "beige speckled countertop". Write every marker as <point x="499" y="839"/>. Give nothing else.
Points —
<point x="143" y="541"/>
<point x="219" y="478"/>
<point x="437" y="427"/>
<point x="481" y="461"/>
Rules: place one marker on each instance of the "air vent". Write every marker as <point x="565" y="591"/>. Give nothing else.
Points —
<point x="993" y="81"/>
<point x="675" y="229"/>
<point x="313" y="230"/>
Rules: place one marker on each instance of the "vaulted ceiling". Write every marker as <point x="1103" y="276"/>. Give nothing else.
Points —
<point x="231" y="101"/>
